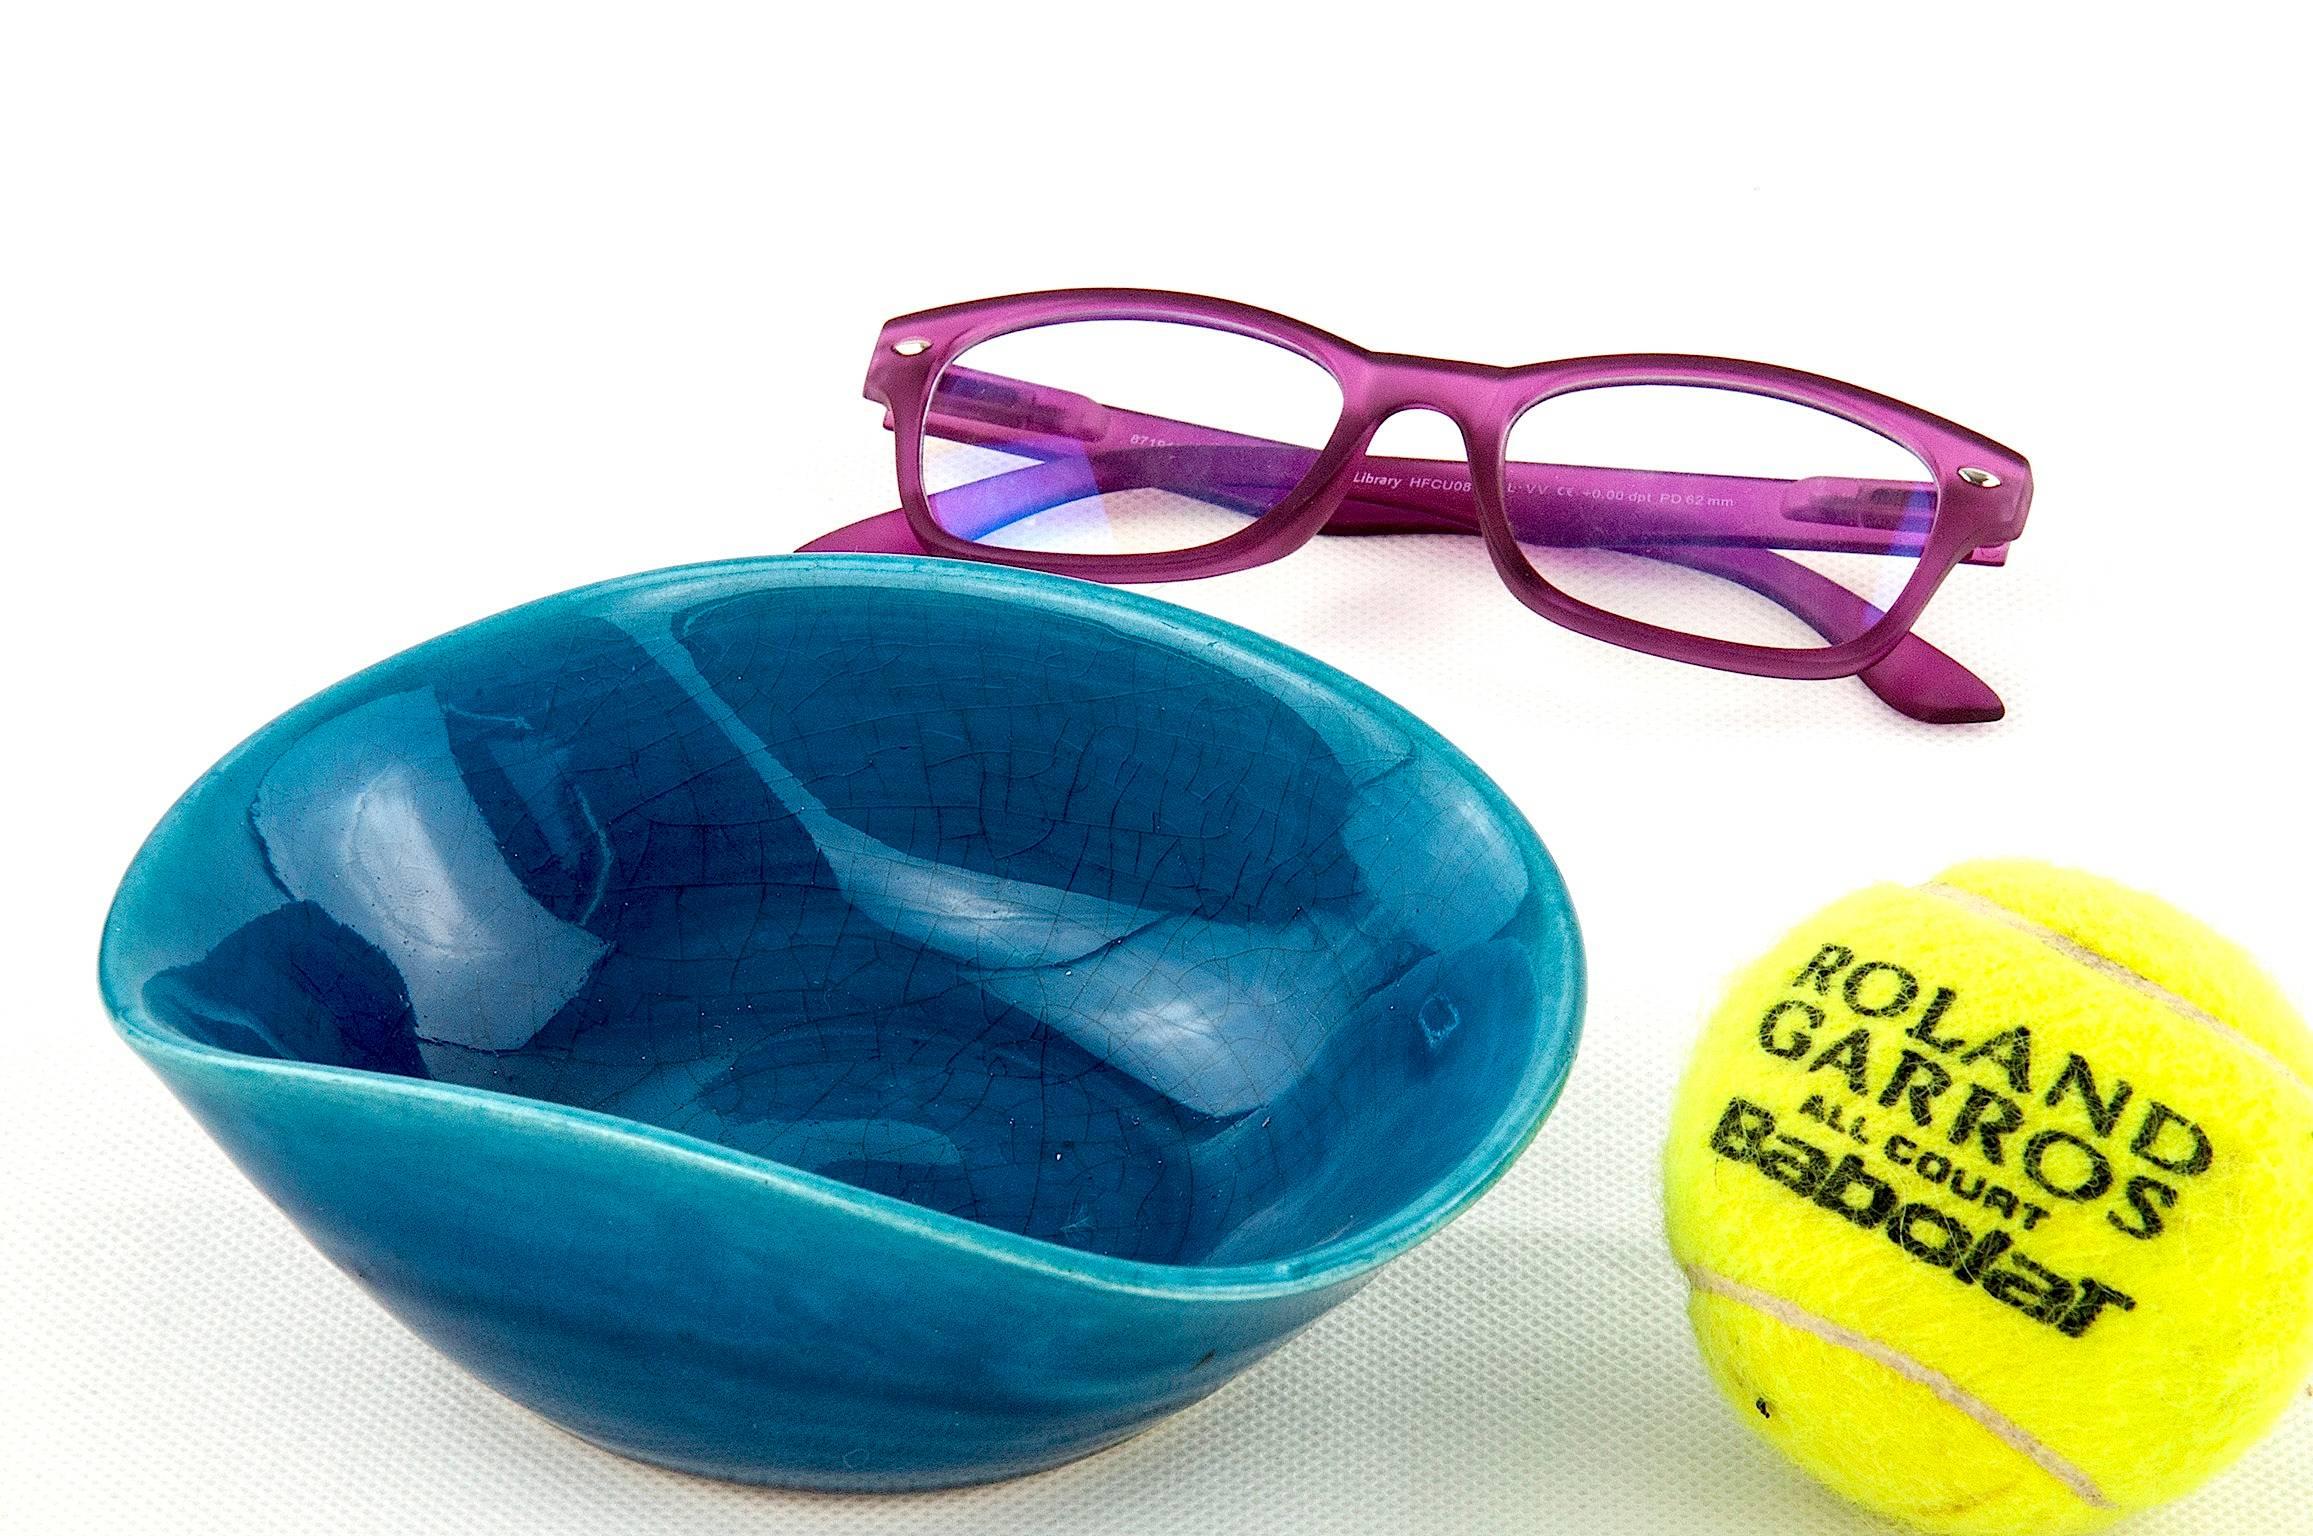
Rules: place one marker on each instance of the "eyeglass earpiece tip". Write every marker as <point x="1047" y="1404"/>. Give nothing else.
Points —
<point x="1917" y="680"/>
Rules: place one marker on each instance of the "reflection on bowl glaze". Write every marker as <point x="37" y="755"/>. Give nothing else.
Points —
<point x="853" y="1022"/>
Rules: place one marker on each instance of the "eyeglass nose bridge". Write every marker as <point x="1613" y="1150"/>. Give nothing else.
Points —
<point x="1476" y="397"/>
<point x="1471" y="395"/>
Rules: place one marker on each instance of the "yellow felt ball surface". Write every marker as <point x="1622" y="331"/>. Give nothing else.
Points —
<point x="1995" y="1196"/>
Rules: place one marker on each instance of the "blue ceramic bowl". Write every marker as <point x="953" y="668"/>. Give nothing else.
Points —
<point x="853" y="1022"/>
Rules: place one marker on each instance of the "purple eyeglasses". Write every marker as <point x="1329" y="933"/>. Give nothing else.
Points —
<point x="1729" y="514"/>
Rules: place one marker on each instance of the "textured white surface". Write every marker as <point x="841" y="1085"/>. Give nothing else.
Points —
<point x="324" y="333"/>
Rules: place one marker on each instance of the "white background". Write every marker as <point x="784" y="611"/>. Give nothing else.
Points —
<point x="323" y="330"/>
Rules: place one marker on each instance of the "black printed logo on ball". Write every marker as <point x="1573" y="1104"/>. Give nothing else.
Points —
<point x="1956" y="1142"/>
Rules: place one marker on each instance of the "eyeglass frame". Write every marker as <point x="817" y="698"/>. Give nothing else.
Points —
<point x="1983" y="489"/>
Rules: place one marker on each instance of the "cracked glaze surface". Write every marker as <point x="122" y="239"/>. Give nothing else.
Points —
<point x="1004" y="897"/>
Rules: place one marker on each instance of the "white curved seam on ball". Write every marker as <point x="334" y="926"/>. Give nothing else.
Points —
<point x="1998" y="1424"/>
<point x="2104" y="965"/>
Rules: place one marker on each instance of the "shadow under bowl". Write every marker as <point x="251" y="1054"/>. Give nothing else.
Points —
<point x="853" y="1022"/>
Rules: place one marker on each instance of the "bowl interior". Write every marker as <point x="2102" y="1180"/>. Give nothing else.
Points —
<point x="1001" y="896"/>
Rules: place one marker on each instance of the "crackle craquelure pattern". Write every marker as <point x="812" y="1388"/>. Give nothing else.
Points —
<point x="931" y="1020"/>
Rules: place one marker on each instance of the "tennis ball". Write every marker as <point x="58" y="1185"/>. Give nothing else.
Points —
<point x="1995" y="1198"/>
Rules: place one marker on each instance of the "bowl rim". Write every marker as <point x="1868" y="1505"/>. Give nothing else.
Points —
<point x="1271" y="663"/>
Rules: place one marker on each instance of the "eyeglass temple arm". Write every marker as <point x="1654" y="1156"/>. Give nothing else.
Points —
<point x="1914" y="677"/>
<point x="1561" y="504"/>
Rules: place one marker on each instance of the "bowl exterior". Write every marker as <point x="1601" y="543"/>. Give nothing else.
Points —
<point x="683" y="1309"/>
<point x="692" y="1305"/>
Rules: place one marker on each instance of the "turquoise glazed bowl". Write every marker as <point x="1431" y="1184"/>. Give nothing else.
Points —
<point x="853" y="1022"/>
